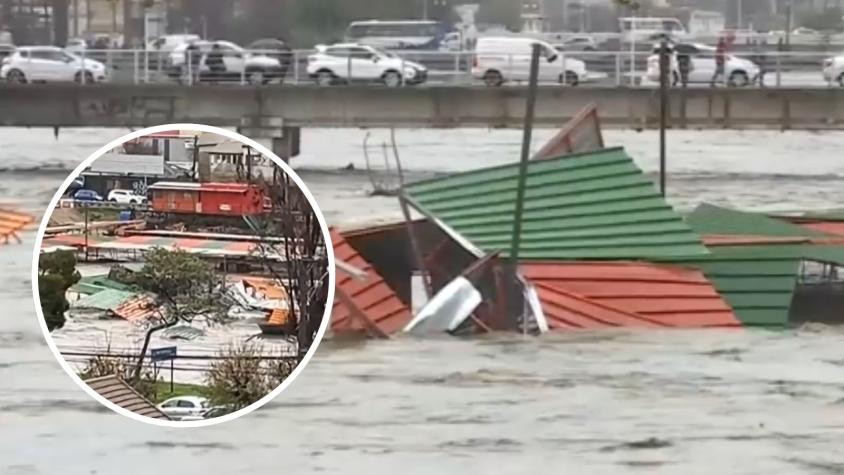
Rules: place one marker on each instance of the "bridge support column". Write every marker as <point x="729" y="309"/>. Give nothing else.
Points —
<point x="282" y="140"/>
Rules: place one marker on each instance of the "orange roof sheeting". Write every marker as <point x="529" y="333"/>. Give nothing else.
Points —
<point x="626" y="294"/>
<point x="136" y="309"/>
<point x="11" y="222"/>
<point x="278" y="316"/>
<point x="372" y="295"/>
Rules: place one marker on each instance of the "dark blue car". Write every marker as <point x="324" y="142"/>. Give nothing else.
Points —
<point x="87" y="195"/>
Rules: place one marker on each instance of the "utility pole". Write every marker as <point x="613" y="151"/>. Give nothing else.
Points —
<point x="425" y="9"/>
<point x="738" y="14"/>
<point x="664" y="66"/>
<point x="565" y="15"/>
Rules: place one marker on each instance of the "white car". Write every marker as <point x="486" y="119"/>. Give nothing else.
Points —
<point x="125" y="197"/>
<point x="503" y="59"/>
<point x="50" y="64"/>
<point x="352" y="62"/>
<point x="253" y="67"/>
<point x="76" y="46"/>
<point x="167" y="43"/>
<point x="184" y="407"/>
<point x="833" y="70"/>
<point x="738" y="72"/>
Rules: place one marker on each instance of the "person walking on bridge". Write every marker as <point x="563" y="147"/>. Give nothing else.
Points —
<point x="720" y="58"/>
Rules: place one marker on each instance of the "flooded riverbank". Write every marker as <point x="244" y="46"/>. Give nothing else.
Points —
<point x="684" y="402"/>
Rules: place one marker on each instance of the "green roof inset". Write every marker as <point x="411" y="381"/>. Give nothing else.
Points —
<point x="759" y="281"/>
<point x="711" y="219"/>
<point x="108" y="299"/>
<point x="595" y="205"/>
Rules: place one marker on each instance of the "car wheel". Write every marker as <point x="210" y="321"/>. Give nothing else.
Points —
<point x="569" y="78"/>
<point x="256" y="77"/>
<point x="841" y="79"/>
<point x="493" y="78"/>
<point x="675" y="78"/>
<point x="391" y="79"/>
<point x="324" y="78"/>
<point x="16" y="76"/>
<point x="89" y="78"/>
<point x="133" y="202"/>
<point x="738" y="79"/>
<point x="113" y="200"/>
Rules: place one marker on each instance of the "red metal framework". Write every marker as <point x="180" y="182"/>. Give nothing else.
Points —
<point x="215" y="199"/>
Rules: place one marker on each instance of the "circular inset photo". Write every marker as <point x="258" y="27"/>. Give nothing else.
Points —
<point x="182" y="275"/>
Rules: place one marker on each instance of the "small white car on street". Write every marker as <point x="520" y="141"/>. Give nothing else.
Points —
<point x="184" y="407"/>
<point x="352" y="62"/>
<point x="833" y="70"/>
<point x="738" y="72"/>
<point x="505" y="59"/>
<point x="50" y="64"/>
<point x="125" y="197"/>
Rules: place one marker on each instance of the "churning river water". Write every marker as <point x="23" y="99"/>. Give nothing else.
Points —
<point x="677" y="402"/>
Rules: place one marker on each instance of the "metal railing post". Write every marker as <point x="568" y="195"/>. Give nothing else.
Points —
<point x="135" y="67"/>
<point x="401" y="73"/>
<point x="349" y="70"/>
<point x="295" y="67"/>
<point x="110" y="62"/>
<point x="779" y="68"/>
<point x="456" y="66"/>
<point x="146" y="64"/>
<point x="618" y="69"/>
<point x="83" y="67"/>
<point x="189" y="61"/>
<point x="243" y="72"/>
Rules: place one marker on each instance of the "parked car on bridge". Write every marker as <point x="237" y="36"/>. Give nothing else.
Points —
<point x="50" y="64"/>
<point x="833" y="69"/>
<point x="184" y="407"/>
<point x="578" y="43"/>
<point x="167" y="43"/>
<point x="273" y="48"/>
<point x="352" y="62"/>
<point x="87" y="195"/>
<point x="125" y="197"/>
<point x="254" y="68"/>
<point x="499" y="60"/>
<point x="76" y="46"/>
<point x="738" y="71"/>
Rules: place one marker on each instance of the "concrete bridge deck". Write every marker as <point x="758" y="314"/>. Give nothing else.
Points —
<point x="119" y="105"/>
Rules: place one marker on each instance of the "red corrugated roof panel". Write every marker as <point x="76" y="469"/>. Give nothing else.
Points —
<point x="831" y="227"/>
<point x="600" y="294"/>
<point x="372" y="294"/>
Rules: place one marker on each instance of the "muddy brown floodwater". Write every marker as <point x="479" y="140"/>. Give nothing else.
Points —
<point x="677" y="402"/>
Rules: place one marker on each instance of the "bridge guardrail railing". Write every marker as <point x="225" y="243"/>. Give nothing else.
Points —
<point x="604" y="68"/>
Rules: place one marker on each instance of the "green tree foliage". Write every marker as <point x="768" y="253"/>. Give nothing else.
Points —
<point x="184" y="285"/>
<point x="56" y="273"/>
<point x="240" y="377"/>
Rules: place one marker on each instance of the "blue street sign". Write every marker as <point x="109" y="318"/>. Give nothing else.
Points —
<point x="163" y="354"/>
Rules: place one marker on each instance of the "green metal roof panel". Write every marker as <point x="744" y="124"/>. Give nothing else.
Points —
<point x="108" y="299"/>
<point x="595" y="205"/>
<point x="710" y="219"/>
<point x="98" y="283"/>
<point x="758" y="283"/>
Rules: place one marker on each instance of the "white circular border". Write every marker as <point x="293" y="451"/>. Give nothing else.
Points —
<point x="265" y="152"/>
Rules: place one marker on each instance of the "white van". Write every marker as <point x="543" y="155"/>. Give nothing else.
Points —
<point x="498" y="60"/>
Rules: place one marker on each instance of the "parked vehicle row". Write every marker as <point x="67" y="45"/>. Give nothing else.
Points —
<point x="114" y="196"/>
<point x="495" y="61"/>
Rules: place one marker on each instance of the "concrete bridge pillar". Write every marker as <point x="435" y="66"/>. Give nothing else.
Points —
<point x="282" y="140"/>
